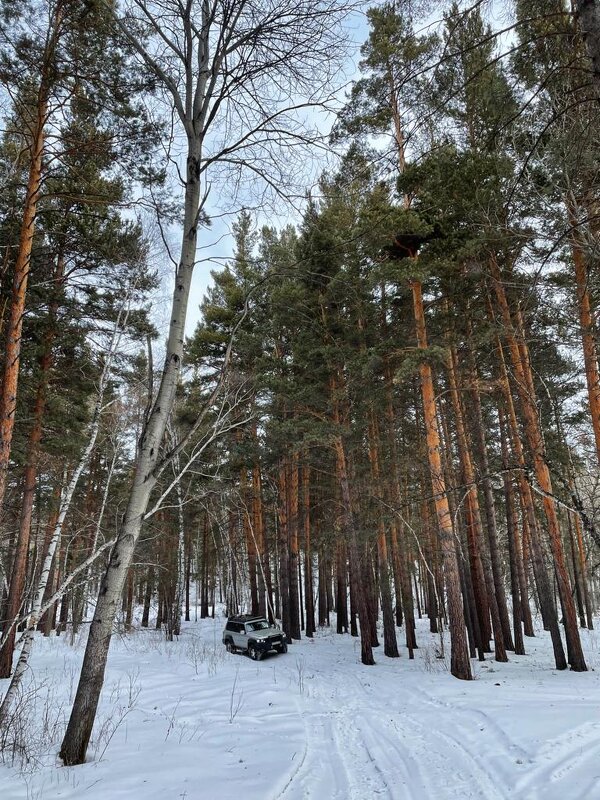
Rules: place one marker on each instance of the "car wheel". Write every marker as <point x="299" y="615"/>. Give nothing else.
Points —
<point x="229" y="646"/>
<point x="254" y="654"/>
<point x="283" y="648"/>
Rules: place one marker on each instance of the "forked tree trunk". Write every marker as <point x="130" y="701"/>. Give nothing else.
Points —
<point x="460" y="665"/>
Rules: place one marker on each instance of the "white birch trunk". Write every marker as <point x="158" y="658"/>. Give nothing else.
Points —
<point x="79" y="729"/>
<point x="66" y="498"/>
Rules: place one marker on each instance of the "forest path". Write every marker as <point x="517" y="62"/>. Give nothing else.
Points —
<point x="185" y="720"/>
<point x="408" y="731"/>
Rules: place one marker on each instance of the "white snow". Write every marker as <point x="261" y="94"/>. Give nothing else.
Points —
<point x="187" y="720"/>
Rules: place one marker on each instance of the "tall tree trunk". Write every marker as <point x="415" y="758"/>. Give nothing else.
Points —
<point x="358" y="588"/>
<point x="293" y="490"/>
<point x="472" y="514"/>
<point x="400" y="547"/>
<point x="478" y="438"/>
<point x="513" y="543"/>
<point x="258" y="526"/>
<point x="308" y="573"/>
<point x="81" y="721"/>
<point x="14" y="327"/>
<point x="460" y="665"/>
<point x="283" y="546"/>
<point x="249" y="537"/>
<point x="390" y="645"/>
<point x="586" y="322"/>
<point x="520" y="360"/>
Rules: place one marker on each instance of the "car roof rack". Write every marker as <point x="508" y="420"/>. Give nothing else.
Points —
<point x="244" y="617"/>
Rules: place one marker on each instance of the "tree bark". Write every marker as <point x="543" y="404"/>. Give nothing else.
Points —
<point x="460" y="665"/>
<point x="541" y="576"/>
<point x="308" y="572"/>
<point x="79" y="728"/>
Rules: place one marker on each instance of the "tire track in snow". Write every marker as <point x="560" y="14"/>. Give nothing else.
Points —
<point x="454" y="764"/>
<point x="562" y="755"/>
<point x="321" y="773"/>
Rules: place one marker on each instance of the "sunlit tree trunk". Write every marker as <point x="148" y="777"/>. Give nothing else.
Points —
<point x="460" y="665"/>
<point x="534" y="438"/>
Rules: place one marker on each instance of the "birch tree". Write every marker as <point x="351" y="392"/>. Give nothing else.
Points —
<point x="240" y="77"/>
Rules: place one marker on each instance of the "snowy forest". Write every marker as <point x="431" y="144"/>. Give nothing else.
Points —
<point x="299" y="305"/>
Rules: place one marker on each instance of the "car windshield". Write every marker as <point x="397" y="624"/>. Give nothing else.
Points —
<point x="259" y="625"/>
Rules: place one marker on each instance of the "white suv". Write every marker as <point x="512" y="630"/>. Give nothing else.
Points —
<point x="253" y="635"/>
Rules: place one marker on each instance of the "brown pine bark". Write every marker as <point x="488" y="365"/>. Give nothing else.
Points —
<point x="19" y="563"/>
<point x="472" y="514"/>
<point x="249" y="538"/>
<point x="480" y="448"/>
<point x="513" y="542"/>
<point x="308" y="570"/>
<point x="460" y="665"/>
<point x="390" y="645"/>
<point x="14" y="325"/>
<point x="293" y="503"/>
<point x="265" y="602"/>
<point x="283" y="546"/>
<point x="357" y="584"/>
<point x="341" y="588"/>
<point x="584" y="572"/>
<point x="519" y="351"/>
<point x="588" y="338"/>
<point x="398" y="541"/>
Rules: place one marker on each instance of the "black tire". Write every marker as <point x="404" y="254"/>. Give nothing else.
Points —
<point x="254" y="653"/>
<point x="283" y="648"/>
<point x="229" y="646"/>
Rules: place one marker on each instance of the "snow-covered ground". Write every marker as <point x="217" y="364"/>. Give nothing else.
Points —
<point x="187" y="720"/>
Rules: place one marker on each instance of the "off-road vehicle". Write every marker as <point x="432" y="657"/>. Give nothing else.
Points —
<point x="253" y="635"/>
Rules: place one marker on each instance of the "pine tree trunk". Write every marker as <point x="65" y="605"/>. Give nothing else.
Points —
<point x="390" y="645"/>
<point x="359" y="591"/>
<point x="478" y="438"/>
<point x="399" y="545"/>
<point x="473" y="517"/>
<point x="283" y="545"/>
<point x="14" y="327"/>
<point x="341" y="593"/>
<point x="520" y="362"/>
<point x="584" y="573"/>
<point x="293" y="488"/>
<point x="249" y="537"/>
<point x="308" y="574"/>
<point x="264" y="571"/>
<point x="460" y="665"/>
<point x="513" y="542"/>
